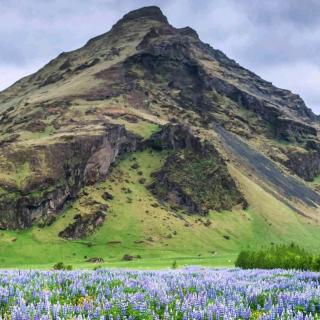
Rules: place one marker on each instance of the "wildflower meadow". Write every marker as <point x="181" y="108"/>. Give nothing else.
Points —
<point x="192" y="293"/>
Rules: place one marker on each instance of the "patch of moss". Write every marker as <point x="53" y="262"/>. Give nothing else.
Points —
<point x="22" y="172"/>
<point x="3" y="192"/>
<point x="39" y="194"/>
<point x="28" y="135"/>
<point x="141" y="128"/>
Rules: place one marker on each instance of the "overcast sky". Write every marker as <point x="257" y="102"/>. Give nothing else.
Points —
<point x="277" y="39"/>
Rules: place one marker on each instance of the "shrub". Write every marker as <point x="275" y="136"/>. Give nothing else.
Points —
<point x="281" y="256"/>
<point x="62" y="266"/>
<point x="316" y="264"/>
<point x="127" y="257"/>
<point x="58" y="266"/>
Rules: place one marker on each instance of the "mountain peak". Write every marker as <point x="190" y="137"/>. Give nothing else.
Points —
<point x="151" y="12"/>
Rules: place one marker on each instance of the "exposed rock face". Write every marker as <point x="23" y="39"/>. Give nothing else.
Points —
<point x="175" y="60"/>
<point x="197" y="184"/>
<point x="57" y="172"/>
<point x="287" y="129"/>
<point x="195" y="177"/>
<point x="306" y="164"/>
<point x="152" y="13"/>
<point x="174" y="137"/>
<point x="302" y="160"/>
<point x="83" y="226"/>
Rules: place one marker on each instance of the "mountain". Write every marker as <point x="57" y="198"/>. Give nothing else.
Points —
<point x="148" y="142"/>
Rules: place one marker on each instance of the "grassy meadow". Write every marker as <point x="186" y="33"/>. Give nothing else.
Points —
<point x="136" y="224"/>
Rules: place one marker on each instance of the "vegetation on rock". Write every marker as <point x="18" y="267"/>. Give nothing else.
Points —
<point x="197" y="183"/>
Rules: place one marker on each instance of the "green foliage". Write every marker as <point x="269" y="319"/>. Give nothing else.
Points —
<point x="278" y="256"/>
<point x="174" y="264"/>
<point x="316" y="263"/>
<point x="62" y="266"/>
<point x="58" y="266"/>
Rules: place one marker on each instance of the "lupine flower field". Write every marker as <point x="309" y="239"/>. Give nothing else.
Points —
<point x="191" y="293"/>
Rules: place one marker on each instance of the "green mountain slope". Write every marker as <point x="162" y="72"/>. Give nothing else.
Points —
<point x="149" y="143"/>
<point x="137" y="224"/>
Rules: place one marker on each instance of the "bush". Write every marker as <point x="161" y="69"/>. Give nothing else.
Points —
<point x="127" y="257"/>
<point x="62" y="266"/>
<point x="281" y="256"/>
<point x="58" y="266"/>
<point x="316" y="264"/>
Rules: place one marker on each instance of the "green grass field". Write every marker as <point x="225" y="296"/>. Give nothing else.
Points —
<point x="136" y="224"/>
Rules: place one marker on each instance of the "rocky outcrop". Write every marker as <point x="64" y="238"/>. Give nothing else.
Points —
<point x="290" y="130"/>
<point x="173" y="137"/>
<point x="145" y="13"/>
<point x="305" y="164"/>
<point x="95" y="260"/>
<point x="167" y="60"/>
<point x="83" y="226"/>
<point x="55" y="173"/>
<point x="302" y="160"/>
<point x="173" y="62"/>
<point x="195" y="177"/>
<point x="196" y="183"/>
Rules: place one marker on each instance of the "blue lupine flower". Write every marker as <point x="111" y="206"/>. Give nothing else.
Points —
<point x="192" y="293"/>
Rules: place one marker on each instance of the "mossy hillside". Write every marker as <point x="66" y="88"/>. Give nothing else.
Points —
<point x="14" y="174"/>
<point x="16" y="179"/>
<point x="275" y="221"/>
<point x="315" y="183"/>
<point x="141" y="128"/>
<point x="29" y="135"/>
<point x="27" y="166"/>
<point x="137" y="224"/>
<point x="21" y="164"/>
<point x="197" y="182"/>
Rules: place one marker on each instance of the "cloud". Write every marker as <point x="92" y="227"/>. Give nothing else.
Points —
<point x="10" y="74"/>
<point x="299" y="77"/>
<point x="279" y="40"/>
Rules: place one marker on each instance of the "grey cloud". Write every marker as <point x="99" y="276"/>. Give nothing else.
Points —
<point x="296" y="12"/>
